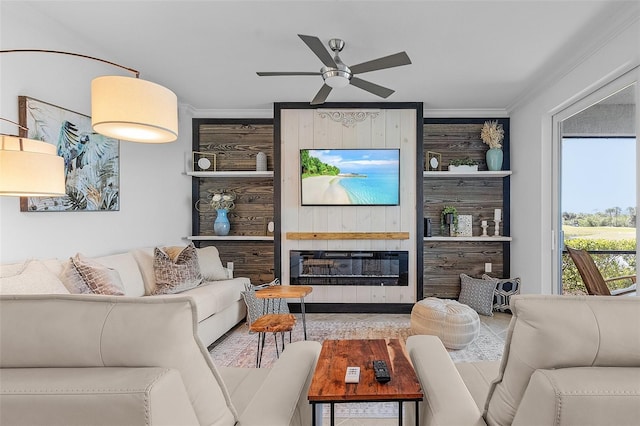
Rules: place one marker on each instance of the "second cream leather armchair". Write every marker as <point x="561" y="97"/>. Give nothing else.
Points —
<point x="568" y="360"/>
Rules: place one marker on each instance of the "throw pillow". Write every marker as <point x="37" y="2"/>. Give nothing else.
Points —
<point x="13" y="269"/>
<point x="72" y="279"/>
<point x="144" y="258"/>
<point x="32" y="278"/>
<point x="99" y="278"/>
<point x="477" y="293"/>
<point x="505" y="288"/>
<point x="211" y="265"/>
<point x="176" y="275"/>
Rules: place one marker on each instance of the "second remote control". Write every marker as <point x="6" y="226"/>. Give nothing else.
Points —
<point x="381" y="371"/>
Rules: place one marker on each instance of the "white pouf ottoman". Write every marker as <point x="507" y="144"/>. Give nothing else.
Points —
<point x="454" y="323"/>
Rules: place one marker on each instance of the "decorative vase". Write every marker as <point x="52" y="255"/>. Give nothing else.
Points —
<point x="494" y="159"/>
<point x="261" y="162"/>
<point x="221" y="226"/>
<point x="448" y="218"/>
<point x="450" y="221"/>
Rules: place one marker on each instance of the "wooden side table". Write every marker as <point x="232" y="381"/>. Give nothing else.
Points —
<point x="288" y="292"/>
<point x="328" y="386"/>
<point x="272" y="323"/>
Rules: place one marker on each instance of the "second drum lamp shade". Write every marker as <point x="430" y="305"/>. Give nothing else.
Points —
<point x="132" y="109"/>
<point x="30" y="168"/>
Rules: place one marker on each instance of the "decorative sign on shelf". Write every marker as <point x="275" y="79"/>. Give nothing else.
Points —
<point x="464" y="225"/>
<point x="204" y="161"/>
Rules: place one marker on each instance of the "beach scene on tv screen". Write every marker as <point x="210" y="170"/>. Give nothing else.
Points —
<point x="350" y="176"/>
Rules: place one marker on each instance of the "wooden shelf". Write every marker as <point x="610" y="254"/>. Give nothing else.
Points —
<point x="488" y="239"/>
<point x="347" y="235"/>
<point x="445" y="174"/>
<point x="242" y="173"/>
<point x="230" y="238"/>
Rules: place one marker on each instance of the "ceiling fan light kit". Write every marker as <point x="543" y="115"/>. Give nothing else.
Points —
<point x="337" y="75"/>
<point x="336" y="79"/>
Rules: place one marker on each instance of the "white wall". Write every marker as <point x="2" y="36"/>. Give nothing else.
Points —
<point x="155" y="204"/>
<point x="532" y="155"/>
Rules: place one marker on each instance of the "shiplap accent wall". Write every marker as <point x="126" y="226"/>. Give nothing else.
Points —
<point x="309" y="129"/>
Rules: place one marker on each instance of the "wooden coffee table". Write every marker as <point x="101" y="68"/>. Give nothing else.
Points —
<point x="328" y="386"/>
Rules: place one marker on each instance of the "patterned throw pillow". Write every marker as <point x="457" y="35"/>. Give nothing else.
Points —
<point x="477" y="293"/>
<point x="505" y="288"/>
<point x="178" y="274"/>
<point x="256" y="307"/>
<point x="99" y="278"/>
<point x="72" y="279"/>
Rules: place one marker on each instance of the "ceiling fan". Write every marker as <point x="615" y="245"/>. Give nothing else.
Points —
<point x="337" y="75"/>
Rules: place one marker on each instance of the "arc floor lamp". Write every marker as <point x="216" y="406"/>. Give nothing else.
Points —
<point x="125" y="108"/>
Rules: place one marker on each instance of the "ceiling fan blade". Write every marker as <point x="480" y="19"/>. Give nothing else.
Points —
<point x="318" y="48"/>
<point x="322" y="94"/>
<point x="271" y="74"/>
<point x="395" y="60"/>
<point x="381" y="91"/>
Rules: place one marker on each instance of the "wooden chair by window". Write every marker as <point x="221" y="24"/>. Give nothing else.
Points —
<point x="593" y="279"/>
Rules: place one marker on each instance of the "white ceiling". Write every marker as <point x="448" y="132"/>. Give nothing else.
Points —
<point x="466" y="54"/>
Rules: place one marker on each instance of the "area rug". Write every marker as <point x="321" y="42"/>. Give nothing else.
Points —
<point x="238" y="347"/>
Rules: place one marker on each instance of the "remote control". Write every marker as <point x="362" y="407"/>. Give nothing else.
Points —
<point x="381" y="371"/>
<point x="353" y="375"/>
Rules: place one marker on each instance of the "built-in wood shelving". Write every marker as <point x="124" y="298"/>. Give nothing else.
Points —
<point x="475" y="193"/>
<point x="481" y="174"/>
<point x="232" y="174"/>
<point x="347" y="235"/>
<point x="230" y="238"/>
<point x="489" y="239"/>
<point x="236" y="144"/>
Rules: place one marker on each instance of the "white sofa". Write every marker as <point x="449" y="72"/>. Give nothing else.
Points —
<point x="218" y="300"/>
<point x="112" y="360"/>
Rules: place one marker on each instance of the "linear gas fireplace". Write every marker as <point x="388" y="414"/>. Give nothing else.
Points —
<point x="350" y="267"/>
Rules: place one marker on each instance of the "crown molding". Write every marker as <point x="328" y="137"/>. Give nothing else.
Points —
<point x="616" y="25"/>
<point x="268" y="113"/>
<point x="466" y="113"/>
<point x="226" y="113"/>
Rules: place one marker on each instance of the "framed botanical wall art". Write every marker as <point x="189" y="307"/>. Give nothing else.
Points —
<point x="91" y="160"/>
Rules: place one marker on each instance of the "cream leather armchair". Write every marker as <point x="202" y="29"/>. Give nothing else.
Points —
<point x="101" y="360"/>
<point x="568" y="360"/>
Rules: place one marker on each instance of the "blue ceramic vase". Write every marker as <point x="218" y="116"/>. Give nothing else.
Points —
<point x="494" y="159"/>
<point x="221" y="226"/>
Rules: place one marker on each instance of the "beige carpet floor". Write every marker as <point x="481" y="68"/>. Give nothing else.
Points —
<point x="238" y="349"/>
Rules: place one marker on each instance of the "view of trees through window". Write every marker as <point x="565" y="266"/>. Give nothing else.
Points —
<point x="599" y="206"/>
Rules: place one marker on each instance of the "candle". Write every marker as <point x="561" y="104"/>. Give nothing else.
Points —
<point x="496" y="214"/>
<point x="484" y="223"/>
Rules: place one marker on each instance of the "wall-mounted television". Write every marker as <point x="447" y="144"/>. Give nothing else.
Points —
<point x="350" y="177"/>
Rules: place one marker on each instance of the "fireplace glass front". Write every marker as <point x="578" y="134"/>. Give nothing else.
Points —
<point x="336" y="267"/>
